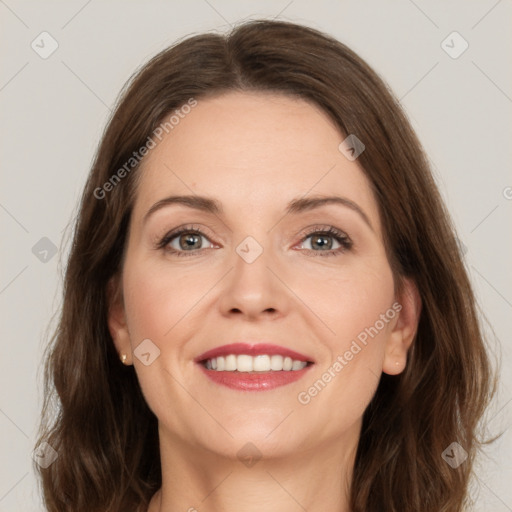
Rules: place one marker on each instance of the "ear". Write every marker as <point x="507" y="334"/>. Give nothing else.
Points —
<point x="116" y="319"/>
<point x="408" y="307"/>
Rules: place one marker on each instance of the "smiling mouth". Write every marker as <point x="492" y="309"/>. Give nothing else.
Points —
<point x="245" y="363"/>
<point x="253" y="366"/>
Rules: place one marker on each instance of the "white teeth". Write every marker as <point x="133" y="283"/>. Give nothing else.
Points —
<point x="260" y="363"/>
<point x="244" y="363"/>
<point x="276" y="362"/>
<point x="296" y="365"/>
<point x="230" y="365"/>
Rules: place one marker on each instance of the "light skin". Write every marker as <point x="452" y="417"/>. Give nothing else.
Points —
<point x="254" y="153"/>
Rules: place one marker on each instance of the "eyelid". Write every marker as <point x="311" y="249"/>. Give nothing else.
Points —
<point x="166" y="234"/>
<point x="323" y="228"/>
<point x="162" y="241"/>
<point x="339" y="235"/>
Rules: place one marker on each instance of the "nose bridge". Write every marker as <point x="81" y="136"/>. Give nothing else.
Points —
<point x="253" y="289"/>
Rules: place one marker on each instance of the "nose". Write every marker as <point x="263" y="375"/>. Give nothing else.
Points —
<point x="254" y="289"/>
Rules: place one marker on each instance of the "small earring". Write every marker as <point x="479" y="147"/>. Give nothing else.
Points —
<point x="123" y="359"/>
<point x="397" y="363"/>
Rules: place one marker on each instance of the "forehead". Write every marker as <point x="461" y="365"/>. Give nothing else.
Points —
<point x="252" y="151"/>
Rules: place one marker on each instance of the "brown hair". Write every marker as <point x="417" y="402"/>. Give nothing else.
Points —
<point x="103" y="431"/>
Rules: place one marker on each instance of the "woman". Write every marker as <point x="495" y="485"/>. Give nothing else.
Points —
<point x="265" y="305"/>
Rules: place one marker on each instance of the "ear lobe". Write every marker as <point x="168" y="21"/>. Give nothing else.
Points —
<point x="116" y="317"/>
<point x="404" y="330"/>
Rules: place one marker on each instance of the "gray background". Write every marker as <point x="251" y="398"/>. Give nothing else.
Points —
<point x="54" y="110"/>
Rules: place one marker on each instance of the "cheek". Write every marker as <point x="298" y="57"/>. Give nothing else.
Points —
<point x="349" y="300"/>
<point x="354" y="306"/>
<point x="157" y="299"/>
<point x="157" y="305"/>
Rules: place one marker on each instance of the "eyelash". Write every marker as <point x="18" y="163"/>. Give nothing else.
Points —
<point x="345" y="242"/>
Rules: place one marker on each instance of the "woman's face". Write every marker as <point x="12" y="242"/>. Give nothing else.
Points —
<point x="253" y="272"/>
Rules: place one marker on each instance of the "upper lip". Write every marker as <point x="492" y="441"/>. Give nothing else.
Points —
<point x="252" y="349"/>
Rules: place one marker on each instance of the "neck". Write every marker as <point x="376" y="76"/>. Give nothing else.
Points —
<point x="198" y="480"/>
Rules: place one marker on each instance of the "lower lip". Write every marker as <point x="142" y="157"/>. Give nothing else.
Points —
<point x="257" y="381"/>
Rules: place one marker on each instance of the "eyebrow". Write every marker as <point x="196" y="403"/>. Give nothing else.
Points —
<point x="295" y="206"/>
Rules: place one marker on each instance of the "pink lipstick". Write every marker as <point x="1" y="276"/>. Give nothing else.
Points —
<point x="253" y="367"/>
